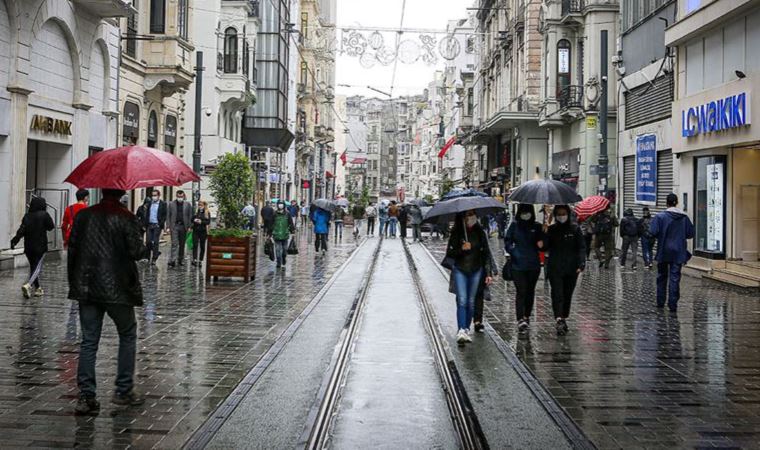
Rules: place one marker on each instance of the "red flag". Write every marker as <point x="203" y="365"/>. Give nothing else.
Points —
<point x="447" y="146"/>
<point x="343" y="157"/>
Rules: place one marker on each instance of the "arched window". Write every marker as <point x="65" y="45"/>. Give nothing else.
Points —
<point x="563" y="64"/>
<point x="157" y="16"/>
<point x="230" y="50"/>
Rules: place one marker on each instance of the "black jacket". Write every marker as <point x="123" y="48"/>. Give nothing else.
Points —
<point x="162" y="212"/>
<point x="105" y="243"/>
<point x="267" y="216"/>
<point x="566" y="247"/>
<point x="454" y="249"/>
<point x="201" y="228"/>
<point x="34" y="227"/>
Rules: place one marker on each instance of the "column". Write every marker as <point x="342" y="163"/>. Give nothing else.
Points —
<point x="18" y="146"/>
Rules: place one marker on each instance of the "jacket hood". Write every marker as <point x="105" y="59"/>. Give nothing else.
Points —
<point x="675" y="213"/>
<point x="37" y="204"/>
<point x="628" y="213"/>
<point x="523" y="208"/>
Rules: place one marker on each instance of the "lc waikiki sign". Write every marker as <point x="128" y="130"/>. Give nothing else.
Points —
<point x="725" y="114"/>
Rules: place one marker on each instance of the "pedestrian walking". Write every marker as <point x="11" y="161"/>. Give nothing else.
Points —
<point x="382" y="213"/>
<point x="180" y="219"/>
<point x="629" y="231"/>
<point x="604" y="224"/>
<point x="201" y="221"/>
<point x="566" y="248"/>
<point x="524" y="241"/>
<point x="647" y="240"/>
<point x="338" y="216"/>
<point x="393" y="212"/>
<point x="33" y="230"/>
<point x="154" y="223"/>
<point x="357" y="212"/>
<point x="469" y="256"/>
<point x="502" y="221"/>
<point x="249" y="212"/>
<point x="293" y="211"/>
<point x="304" y="214"/>
<point x="671" y="228"/>
<point x="588" y="236"/>
<point x="83" y="199"/>
<point x="283" y="226"/>
<point x="371" y="213"/>
<point x="321" y="220"/>
<point x="403" y="220"/>
<point x="267" y="218"/>
<point x="415" y="216"/>
<point x="104" y="245"/>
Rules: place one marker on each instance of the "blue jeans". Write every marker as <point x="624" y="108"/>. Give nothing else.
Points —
<point x="383" y="227"/>
<point x="281" y="251"/>
<point x="646" y="250"/>
<point x="393" y="223"/>
<point x="466" y="288"/>
<point x="668" y="282"/>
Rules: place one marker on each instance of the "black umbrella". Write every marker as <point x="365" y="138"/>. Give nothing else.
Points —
<point x="323" y="203"/>
<point x="418" y="202"/>
<point x="544" y="192"/>
<point x="445" y="211"/>
<point x="456" y="193"/>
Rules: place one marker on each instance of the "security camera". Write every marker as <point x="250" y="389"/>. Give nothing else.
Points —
<point x="207" y="112"/>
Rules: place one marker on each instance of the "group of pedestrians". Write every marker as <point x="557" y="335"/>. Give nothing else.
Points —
<point x="566" y="246"/>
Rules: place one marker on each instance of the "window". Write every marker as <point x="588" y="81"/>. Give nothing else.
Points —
<point x="304" y="73"/>
<point x="710" y="211"/>
<point x="132" y="32"/>
<point x="246" y="56"/>
<point x="152" y="129"/>
<point x="304" y="24"/>
<point x="157" y="16"/>
<point x="563" y="64"/>
<point x="230" y="50"/>
<point x="470" y="101"/>
<point x="182" y="18"/>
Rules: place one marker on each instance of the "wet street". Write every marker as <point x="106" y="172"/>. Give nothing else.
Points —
<point x="357" y="348"/>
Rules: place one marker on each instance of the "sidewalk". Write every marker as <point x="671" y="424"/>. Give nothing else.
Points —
<point x="195" y="345"/>
<point x="634" y="377"/>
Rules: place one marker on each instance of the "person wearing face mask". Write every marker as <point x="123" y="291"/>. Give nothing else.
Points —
<point x="471" y="266"/>
<point x="154" y="220"/>
<point x="282" y="227"/>
<point x="523" y="242"/>
<point x="180" y="220"/>
<point x="201" y="221"/>
<point x="566" y="247"/>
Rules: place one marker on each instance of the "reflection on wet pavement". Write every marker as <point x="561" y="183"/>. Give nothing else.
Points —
<point x="633" y="376"/>
<point x="195" y="344"/>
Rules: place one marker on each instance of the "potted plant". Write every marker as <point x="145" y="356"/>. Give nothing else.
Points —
<point x="231" y="249"/>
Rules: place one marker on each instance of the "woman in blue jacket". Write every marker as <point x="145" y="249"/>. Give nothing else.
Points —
<point x="321" y="220"/>
<point x="523" y="241"/>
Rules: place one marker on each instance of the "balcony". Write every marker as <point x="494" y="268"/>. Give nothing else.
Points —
<point x="168" y="65"/>
<point x="236" y="91"/>
<point x="572" y="8"/>
<point x="252" y="6"/>
<point x="570" y="97"/>
<point x="107" y="8"/>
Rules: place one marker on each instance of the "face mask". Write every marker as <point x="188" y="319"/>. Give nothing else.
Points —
<point x="561" y="219"/>
<point x="525" y="216"/>
<point x="280" y="206"/>
<point x="471" y="221"/>
<point x="181" y="199"/>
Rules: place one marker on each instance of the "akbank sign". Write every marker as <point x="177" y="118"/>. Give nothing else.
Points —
<point x="725" y="114"/>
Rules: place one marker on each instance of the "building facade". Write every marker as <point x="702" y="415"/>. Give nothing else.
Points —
<point x="59" y="100"/>
<point x="716" y="143"/>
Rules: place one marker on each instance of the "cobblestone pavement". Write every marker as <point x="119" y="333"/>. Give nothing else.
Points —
<point x="635" y="377"/>
<point x="195" y="344"/>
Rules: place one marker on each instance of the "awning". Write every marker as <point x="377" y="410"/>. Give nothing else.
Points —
<point x="358" y="160"/>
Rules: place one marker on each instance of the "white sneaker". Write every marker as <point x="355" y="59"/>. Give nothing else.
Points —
<point x="462" y="337"/>
<point x="39" y="292"/>
<point x="26" y="289"/>
<point x="467" y="337"/>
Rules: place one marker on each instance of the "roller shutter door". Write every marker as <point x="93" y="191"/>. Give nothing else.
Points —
<point x="664" y="182"/>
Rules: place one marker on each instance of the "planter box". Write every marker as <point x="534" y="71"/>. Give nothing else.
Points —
<point x="231" y="257"/>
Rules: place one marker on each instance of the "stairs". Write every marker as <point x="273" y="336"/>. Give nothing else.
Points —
<point x="745" y="274"/>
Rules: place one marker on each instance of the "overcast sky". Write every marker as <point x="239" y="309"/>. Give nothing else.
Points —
<point x="410" y="79"/>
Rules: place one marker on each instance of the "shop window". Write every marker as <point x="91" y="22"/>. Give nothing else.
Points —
<point x="710" y="206"/>
<point x="130" y="131"/>
<point x="157" y="16"/>
<point x="230" y="50"/>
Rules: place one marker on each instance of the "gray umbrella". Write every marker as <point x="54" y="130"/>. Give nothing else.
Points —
<point x="544" y="192"/>
<point x="323" y="203"/>
<point x="445" y="211"/>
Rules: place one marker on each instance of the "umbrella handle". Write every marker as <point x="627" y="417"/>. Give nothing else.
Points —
<point x="464" y="225"/>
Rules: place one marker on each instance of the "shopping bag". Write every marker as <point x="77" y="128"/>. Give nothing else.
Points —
<point x="269" y="249"/>
<point x="506" y="271"/>
<point x="189" y="240"/>
<point x="292" y="247"/>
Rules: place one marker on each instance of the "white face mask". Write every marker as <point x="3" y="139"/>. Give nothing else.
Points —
<point x="561" y="219"/>
<point x="470" y="221"/>
<point x="280" y="206"/>
<point x="526" y="216"/>
<point x="180" y="199"/>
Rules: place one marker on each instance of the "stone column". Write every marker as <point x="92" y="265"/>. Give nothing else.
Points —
<point x="18" y="148"/>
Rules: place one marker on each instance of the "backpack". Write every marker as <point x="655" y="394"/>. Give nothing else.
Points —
<point x="603" y="224"/>
<point x="630" y="227"/>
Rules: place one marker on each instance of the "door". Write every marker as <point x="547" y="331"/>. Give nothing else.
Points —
<point x="749" y="222"/>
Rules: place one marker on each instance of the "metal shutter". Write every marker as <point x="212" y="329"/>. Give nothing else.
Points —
<point x="664" y="182"/>
<point x="645" y="104"/>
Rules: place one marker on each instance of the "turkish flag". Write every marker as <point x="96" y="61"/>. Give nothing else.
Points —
<point x="343" y="157"/>
<point x="447" y="146"/>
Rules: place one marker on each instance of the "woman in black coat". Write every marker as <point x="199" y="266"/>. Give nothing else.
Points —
<point x="34" y="228"/>
<point x="201" y="221"/>
<point x="567" y="258"/>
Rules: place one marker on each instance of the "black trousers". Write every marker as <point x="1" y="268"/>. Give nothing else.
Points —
<point x="199" y="245"/>
<point x="525" y="285"/>
<point x="563" y="286"/>
<point x="320" y="242"/>
<point x="402" y="228"/>
<point x="589" y="240"/>
<point x="34" y="260"/>
<point x="370" y="225"/>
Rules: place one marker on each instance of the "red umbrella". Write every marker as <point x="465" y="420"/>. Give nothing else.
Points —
<point x="130" y="168"/>
<point x="590" y="206"/>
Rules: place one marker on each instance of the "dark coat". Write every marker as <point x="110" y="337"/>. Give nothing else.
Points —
<point x="180" y="212"/>
<point x="267" y="216"/>
<point x="162" y="213"/>
<point x="454" y="248"/>
<point x="34" y="227"/>
<point x="672" y="228"/>
<point x="201" y="228"/>
<point x="521" y="241"/>
<point x="104" y="246"/>
<point x="566" y="247"/>
<point x="629" y="226"/>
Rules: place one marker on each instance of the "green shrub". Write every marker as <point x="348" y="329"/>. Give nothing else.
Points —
<point x="232" y="187"/>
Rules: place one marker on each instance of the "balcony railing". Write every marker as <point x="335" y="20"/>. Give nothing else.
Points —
<point x="572" y="7"/>
<point x="570" y="97"/>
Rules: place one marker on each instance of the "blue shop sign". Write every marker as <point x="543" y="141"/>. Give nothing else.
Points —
<point x="725" y="114"/>
<point x="646" y="169"/>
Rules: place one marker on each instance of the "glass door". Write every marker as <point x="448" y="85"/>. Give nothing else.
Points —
<point x="710" y="208"/>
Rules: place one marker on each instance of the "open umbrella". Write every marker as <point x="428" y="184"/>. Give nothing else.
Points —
<point x="420" y="202"/>
<point x="544" y="192"/>
<point x="130" y="168"/>
<point x="445" y="211"/>
<point x="590" y="206"/>
<point x="323" y="203"/>
<point x="456" y="193"/>
<point x="342" y="202"/>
